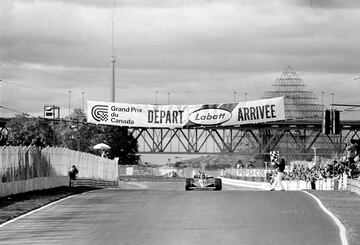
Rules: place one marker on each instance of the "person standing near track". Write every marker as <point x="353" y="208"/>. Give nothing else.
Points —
<point x="280" y="167"/>
<point x="351" y="152"/>
<point x="72" y="173"/>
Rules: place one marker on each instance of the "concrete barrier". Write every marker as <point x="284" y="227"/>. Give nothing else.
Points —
<point x="354" y="186"/>
<point x="294" y="185"/>
<point x="288" y="185"/>
<point x="243" y="183"/>
<point x="15" y="187"/>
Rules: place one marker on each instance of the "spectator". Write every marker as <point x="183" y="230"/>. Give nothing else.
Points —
<point x="103" y="154"/>
<point x="73" y="172"/>
<point x="352" y="151"/>
<point x="240" y="164"/>
<point x="222" y="173"/>
<point x="332" y="170"/>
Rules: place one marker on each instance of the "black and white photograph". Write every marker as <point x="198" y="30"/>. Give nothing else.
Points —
<point x="180" y="122"/>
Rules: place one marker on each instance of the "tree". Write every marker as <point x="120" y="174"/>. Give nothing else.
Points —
<point x="74" y="133"/>
<point x="26" y="131"/>
<point x="123" y="145"/>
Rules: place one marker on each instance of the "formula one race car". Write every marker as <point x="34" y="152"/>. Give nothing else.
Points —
<point x="203" y="181"/>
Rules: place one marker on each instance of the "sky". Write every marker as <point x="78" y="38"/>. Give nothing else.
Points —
<point x="174" y="51"/>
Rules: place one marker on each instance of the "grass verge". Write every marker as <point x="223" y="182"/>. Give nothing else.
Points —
<point x="345" y="205"/>
<point x="19" y="204"/>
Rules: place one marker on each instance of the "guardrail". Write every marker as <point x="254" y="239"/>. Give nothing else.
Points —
<point x="94" y="183"/>
<point x="136" y="170"/>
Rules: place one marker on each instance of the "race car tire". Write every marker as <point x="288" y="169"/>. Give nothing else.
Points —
<point x="218" y="184"/>
<point x="188" y="184"/>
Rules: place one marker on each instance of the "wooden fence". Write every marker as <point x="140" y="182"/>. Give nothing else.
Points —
<point x="31" y="164"/>
<point x="21" y="163"/>
<point x="90" y="166"/>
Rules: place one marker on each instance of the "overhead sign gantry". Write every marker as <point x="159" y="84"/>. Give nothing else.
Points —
<point x="186" y="116"/>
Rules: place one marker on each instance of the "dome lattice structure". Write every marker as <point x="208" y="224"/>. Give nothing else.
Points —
<point x="300" y="104"/>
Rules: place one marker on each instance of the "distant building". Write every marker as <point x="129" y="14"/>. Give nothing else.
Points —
<point x="300" y="104"/>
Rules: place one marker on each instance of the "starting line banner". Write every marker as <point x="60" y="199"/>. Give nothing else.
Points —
<point x="179" y="116"/>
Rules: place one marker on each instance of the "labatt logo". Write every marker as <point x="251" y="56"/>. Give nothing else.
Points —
<point x="210" y="116"/>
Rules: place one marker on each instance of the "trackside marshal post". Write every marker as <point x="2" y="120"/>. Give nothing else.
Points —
<point x="180" y="116"/>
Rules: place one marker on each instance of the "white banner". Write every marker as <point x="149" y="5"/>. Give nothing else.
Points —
<point x="251" y="172"/>
<point x="179" y="116"/>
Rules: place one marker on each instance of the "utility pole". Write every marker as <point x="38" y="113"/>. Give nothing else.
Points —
<point x="78" y="135"/>
<point x="54" y="133"/>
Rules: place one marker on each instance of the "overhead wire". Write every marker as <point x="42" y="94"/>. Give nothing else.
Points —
<point x="13" y="110"/>
<point x="30" y="87"/>
<point x="159" y="90"/>
<point x="52" y="74"/>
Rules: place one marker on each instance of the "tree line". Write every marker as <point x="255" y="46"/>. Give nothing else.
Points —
<point x="72" y="132"/>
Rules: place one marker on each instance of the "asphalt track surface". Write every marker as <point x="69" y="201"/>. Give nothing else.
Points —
<point x="163" y="213"/>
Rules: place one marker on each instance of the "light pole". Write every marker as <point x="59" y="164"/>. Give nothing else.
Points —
<point x="83" y="100"/>
<point x="112" y="79"/>
<point x="168" y="98"/>
<point x="78" y="134"/>
<point x="69" y="102"/>
<point x="156" y="97"/>
<point x="235" y="96"/>
<point x="245" y="96"/>
<point x="322" y="98"/>
<point x="332" y="101"/>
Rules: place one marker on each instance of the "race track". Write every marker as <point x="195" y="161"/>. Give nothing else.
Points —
<point x="163" y="213"/>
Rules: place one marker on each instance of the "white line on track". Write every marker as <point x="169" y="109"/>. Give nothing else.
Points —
<point x="33" y="211"/>
<point x="342" y="229"/>
<point x="38" y="209"/>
